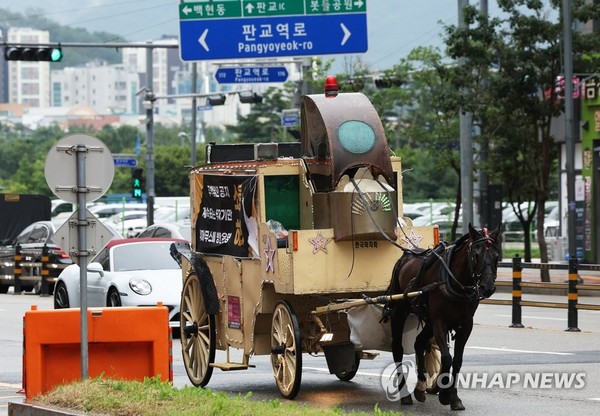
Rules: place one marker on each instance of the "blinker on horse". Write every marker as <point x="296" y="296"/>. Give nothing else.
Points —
<point x="453" y="278"/>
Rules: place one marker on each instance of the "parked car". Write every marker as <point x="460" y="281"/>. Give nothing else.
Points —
<point x="107" y="210"/>
<point x="179" y="229"/>
<point x="133" y="227"/>
<point x="32" y="241"/>
<point x="127" y="272"/>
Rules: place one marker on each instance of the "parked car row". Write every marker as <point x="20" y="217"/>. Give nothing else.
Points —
<point x="442" y="215"/>
<point x="32" y="241"/>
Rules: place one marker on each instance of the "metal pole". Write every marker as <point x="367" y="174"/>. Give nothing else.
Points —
<point x="516" y="293"/>
<point x="484" y="205"/>
<point x="194" y="109"/>
<point x="466" y="148"/>
<point x="149" y="102"/>
<point x="569" y="111"/>
<point x="82" y="254"/>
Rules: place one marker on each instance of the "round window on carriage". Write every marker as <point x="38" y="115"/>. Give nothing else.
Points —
<point x="356" y="136"/>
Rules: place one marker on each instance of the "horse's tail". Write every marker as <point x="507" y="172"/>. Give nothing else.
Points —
<point x="393" y="288"/>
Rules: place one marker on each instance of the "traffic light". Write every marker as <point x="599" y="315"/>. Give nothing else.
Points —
<point x="387" y="82"/>
<point x="250" y="98"/>
<point x="218" y="99"/>
<point x="136" y="183"/>
<point x="33" y="53"/>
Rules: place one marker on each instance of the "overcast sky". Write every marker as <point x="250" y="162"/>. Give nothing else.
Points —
<point x="394" y="26"/>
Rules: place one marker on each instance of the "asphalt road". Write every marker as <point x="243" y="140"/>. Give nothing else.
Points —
<point x="496" y="355"/>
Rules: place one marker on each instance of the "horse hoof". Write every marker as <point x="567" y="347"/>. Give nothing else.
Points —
<point x="457" y="405"/>
<point x="433" y="390"/>
<point x="420" y="395"/>
<point x="406" y="400"/>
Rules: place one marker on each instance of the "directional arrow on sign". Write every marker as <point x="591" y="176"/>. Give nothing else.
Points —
<point x="347" y="34"/>
<point x="186" y="10"/>
<point x="202" y="40"/>
<point x="317" y="34"/>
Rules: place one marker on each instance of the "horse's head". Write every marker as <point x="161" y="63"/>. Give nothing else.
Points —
<point x="483" y="257"/>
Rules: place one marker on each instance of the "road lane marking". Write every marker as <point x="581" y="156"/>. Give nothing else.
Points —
<point x="13" y="386"/>
<point x="533" y="317"/>
<point x="522" y="351"/>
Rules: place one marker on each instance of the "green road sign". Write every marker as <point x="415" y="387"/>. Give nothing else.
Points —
<point x="223" y="9"/>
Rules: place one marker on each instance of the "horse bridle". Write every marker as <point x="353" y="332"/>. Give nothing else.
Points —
<point x="465" y="292"/>
<point x="488" y="242"/>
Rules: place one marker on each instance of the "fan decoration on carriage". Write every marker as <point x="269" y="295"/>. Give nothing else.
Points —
<point x="348" y="162"/>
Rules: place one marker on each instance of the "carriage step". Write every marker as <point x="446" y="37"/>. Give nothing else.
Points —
<point x="231" y="366"/>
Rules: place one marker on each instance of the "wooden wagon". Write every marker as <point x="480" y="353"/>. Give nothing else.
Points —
<point x="282" y="233"/>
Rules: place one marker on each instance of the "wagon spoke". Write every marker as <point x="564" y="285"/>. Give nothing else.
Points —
<point x="285" y="354"/>
<point x="198" y="333"/>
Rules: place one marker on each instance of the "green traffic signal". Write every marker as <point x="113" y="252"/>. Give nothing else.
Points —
<point x="33" y="53"/>
<point x="136" y="176"/>
<point x="56" y="55"/>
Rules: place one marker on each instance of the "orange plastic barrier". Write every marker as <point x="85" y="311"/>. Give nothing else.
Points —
<point x="123" y="343"/>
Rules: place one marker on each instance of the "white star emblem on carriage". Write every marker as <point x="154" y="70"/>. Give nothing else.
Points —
<point x="319" y="243"/>
<point x="413" y="239"/>
<point x="270" y="256"/>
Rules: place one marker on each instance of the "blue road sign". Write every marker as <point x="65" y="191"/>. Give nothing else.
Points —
<point x="204" y="107"/>
<point x="125" y="162"/>
<point x="250" y="75"/>
<point x="277" y="36"/>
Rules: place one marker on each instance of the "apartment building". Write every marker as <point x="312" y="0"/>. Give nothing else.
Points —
<point x="109" y="89"/>
<point x="28" y="82"/>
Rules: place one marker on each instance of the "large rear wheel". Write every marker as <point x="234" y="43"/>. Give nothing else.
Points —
<point x="198" y="333"/>
<point x="286" y="350"/>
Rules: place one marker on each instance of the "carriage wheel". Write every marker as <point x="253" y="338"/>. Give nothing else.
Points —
<point x="286" y="350"/>
<point x="349" y="375"/>
<point x="433" y="365"/>
<point x="197" y="332"/>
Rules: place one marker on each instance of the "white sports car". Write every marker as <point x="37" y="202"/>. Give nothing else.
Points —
<point x="127" y="272"/>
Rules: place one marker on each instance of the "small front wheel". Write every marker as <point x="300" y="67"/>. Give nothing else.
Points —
<point x="349" y="375"/>
<point x="286" y="350"/>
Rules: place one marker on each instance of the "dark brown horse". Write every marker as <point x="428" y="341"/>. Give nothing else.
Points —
<point x="454" y="278"/>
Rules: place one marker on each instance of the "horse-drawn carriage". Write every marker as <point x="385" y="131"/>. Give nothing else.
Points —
<point x="284" y="234"/>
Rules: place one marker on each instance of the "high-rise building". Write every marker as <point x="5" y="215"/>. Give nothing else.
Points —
<point x="109" y="89"/>
<point x="28" y="81"/>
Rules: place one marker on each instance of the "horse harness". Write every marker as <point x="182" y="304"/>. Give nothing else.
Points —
<point x="449" y="284"/>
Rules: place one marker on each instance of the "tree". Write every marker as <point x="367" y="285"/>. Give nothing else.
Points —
<point x="520" y="58"/>
<point x="263" y="123"/>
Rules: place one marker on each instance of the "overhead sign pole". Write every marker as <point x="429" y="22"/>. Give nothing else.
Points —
<point x="225" y="29"/>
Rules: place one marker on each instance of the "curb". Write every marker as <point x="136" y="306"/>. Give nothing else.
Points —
<point x="28" y="409"/>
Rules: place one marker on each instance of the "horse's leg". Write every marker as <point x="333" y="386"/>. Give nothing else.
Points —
<point x="398" y="318"/>
<point x="421" y="343"/>
<point x="460" y="340"/>
<point x="440" y="331"/>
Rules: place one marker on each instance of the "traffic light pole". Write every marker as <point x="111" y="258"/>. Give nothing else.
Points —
<point x="149" y="104"/>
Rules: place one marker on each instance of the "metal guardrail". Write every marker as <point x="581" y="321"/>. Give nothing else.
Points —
<point x="572" y="305"/>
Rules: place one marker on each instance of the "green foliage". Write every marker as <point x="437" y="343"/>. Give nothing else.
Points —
<point x="263" y="123"/>
<point x="23" y="155"/>
<point x="153" y="397"/>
